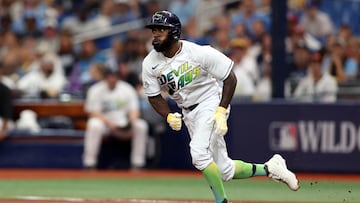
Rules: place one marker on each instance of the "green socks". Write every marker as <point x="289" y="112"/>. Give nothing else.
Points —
<point x="213" y="177"/>
<point x="247" y="170"/>
<point x="242" y="170"/>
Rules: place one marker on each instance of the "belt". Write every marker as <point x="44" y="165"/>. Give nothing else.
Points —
<point x="190" y="108"/>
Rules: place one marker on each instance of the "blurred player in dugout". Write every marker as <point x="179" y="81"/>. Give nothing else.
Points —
<point x="113" y="106"/>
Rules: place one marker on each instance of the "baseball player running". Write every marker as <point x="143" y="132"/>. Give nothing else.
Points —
<point x="201" y="81"/>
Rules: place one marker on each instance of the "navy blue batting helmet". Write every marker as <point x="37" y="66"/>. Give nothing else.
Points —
<point x="166" y="19"/>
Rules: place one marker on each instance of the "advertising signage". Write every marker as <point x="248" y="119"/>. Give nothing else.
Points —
<point x="312" y="137"/>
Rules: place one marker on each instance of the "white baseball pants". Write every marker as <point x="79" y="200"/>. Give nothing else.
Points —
<point x="94" y="133"/>
<point x="205" y="145"/>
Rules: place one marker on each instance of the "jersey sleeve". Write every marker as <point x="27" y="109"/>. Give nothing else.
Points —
<point x="150" y="83"/>
<point x="216" y="63"/>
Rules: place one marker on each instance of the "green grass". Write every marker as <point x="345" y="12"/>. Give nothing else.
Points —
<point x="181" y="188"/>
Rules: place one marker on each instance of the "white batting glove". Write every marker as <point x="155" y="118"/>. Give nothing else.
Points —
<point x="174" y="120"/>
<point x="220" y="121"/>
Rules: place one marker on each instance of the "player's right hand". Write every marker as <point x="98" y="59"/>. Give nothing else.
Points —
<point x="174" y="120"/>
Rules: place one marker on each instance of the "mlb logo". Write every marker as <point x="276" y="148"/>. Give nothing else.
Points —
<point x="283" y="136"/>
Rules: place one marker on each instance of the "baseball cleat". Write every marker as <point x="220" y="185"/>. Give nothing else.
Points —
<point x="278" y="171"/>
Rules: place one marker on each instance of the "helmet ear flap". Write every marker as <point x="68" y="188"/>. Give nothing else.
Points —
<point x="175" y="33"/>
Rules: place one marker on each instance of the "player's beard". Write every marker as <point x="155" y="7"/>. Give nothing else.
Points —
<point x="163" y="46"/>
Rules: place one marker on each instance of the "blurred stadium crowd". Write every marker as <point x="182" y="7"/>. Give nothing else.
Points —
<point x="45" y="54"/>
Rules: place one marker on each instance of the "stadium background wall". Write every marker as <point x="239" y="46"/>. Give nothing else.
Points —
<point x="312" y="137"/>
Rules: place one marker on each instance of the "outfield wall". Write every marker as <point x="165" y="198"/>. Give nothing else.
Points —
<point x="312" y="137"/>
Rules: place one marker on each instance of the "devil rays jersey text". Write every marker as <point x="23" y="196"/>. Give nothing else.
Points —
<point x="179" y="78"/>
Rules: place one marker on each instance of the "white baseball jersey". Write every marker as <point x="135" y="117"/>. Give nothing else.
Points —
<point x="189" y="77"/>
<point x="115" y="104"/>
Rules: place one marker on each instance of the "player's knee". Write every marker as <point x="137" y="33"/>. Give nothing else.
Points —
<point x="227" y="172"/>
<point x="200" y="160"/>
<point x="140" y="127"/>
<point x="94" y="124"/>
<point x="227" y="169"/>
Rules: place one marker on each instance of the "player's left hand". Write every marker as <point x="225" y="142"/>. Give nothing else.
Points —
<point x="220" y="121"/>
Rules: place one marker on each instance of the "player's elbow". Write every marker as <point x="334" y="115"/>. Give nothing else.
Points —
<point x="231" y="80"/>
